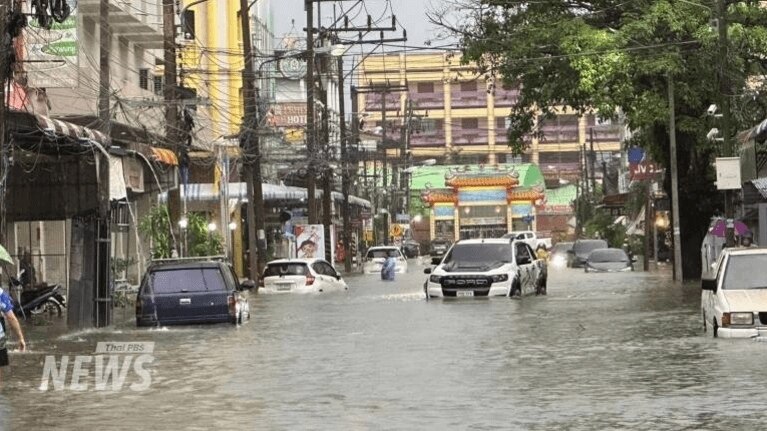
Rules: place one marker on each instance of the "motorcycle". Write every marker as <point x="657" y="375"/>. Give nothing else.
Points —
<point x="42" y="300"/>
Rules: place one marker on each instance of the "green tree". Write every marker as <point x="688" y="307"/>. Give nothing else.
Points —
<point x="156" y="226"/>
<point x="200" y="240"/>
<point x="605" y="57"/>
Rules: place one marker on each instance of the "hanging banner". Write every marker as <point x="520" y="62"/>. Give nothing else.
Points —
<point x="51" y="56"/>
<point x="310" y="241"/>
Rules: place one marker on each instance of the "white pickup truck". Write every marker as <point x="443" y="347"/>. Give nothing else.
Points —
<point x="530" y="238"/>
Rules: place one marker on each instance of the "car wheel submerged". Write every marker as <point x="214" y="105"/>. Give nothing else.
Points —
<point x="515" y="290"/>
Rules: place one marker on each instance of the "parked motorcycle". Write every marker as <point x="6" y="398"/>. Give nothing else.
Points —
<point x="43" y="300"/>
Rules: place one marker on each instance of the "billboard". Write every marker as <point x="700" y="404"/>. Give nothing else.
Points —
<point x="51" y="59"/>
<point x="310" y="241"/>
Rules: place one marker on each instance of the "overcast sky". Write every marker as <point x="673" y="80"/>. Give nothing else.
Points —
<point x="411" y="13"/>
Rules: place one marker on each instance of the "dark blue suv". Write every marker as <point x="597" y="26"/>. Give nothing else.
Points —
<point x="181" y="292"/>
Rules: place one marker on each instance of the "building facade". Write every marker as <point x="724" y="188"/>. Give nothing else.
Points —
<point x="464" y="116"/>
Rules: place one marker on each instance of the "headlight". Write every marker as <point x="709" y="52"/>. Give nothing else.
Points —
<point x="558" y="261"/>
<point x="435" y="279"/>
<point x="741" y="318"/>
<point x="499" y="278"/>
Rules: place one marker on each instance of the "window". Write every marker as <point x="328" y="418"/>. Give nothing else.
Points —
<point x="143" y="79"/>
<point x="425" y="87"/>
<point x="468" y="87"/>
<point x="501" y="123"/>
<point x="187" y="280"/>
<point x="283" y="269"/>
<point x="158" y="85"/>
<point x="470" y="123"/>
<point x="188" y="25"/>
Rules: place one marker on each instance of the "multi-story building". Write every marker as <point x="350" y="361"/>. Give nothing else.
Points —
<point x="467" y="114"/>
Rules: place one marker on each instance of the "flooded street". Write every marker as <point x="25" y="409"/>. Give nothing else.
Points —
<point x="608" y="351"/>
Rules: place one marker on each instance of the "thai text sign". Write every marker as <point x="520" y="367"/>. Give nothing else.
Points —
<point x="728" y="173"/>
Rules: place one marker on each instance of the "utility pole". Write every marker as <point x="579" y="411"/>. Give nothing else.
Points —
<point x="170" y="96"/>
<point x="678" y="274"/>
<point x="311" y="181"/>
<point x="5" y="47"/>
<point x="647" y="220"/>
<point x="385" y="172"/>
<point x="345" y="167"/>
<point x="252" y="166"/>
<point x="592" y="161"/>
<point x="724" y="102"/>
<point x="102" y="293"/>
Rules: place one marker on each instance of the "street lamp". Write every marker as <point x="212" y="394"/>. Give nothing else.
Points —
<point x="212" y="227"/>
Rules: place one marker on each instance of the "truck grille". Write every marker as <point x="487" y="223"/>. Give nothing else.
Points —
<point x="480" y="284"/>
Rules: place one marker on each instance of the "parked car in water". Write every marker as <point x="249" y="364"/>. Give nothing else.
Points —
<point x="581" y="250"/>
<point x="530" y="237"/>
<point x="608" y="260"/>
<point x="376" y="256"/>
<point x="439" y="247"/>
<point x="487" y="267"/>
<point x="186" y="291"/>
<point x="559" y="255"/>
<point x="734" y="302"/>
<point x="411" y="248"/>
<point x="301" y="276"/>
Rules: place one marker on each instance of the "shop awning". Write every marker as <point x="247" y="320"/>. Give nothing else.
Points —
<point x="238" y="191"/>
<point x="162" y="155"/>
<point x="65" y="128"/>
<point x="757" y="133"/>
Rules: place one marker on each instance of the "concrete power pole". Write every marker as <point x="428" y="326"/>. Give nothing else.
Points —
<point x="345" y="167"/>
<point x="170" y="96"/>
<point x="678" y="274"/>
<point x="252" y="153"/>
<point x="102" y="294"/>
<point x="311" y="180"/>
<point x="5" y="46"/>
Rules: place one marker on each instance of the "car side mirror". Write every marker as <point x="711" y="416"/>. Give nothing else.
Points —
<point x="248" y="285"/>
<point x="338" y="277"/>
<point x="436" y="260"/>
<point x="633" y="259"/>
<point x="708" y="284"/>
<point x="427" y="271"/>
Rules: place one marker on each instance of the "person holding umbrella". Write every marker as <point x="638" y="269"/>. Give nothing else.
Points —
<point x="9" y="319"/>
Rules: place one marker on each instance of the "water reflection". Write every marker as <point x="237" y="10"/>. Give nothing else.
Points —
<point x="611" y="351"/>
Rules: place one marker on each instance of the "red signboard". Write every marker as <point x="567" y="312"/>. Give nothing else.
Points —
<point x="644" y="171"/>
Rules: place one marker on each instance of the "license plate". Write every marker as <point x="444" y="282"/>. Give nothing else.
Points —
<point x="464" y="293"/>
<point x="283" y="287"/>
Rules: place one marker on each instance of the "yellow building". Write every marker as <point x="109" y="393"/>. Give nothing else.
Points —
<point x="211" y="62"/>
<point x="469" y="114"/>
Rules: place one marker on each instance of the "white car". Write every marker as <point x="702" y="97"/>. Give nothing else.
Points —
<point x="487" y="267"/>
<point x="376" y="256"/>
<point x="734" y="302"/>
<point x="301" y="276"/>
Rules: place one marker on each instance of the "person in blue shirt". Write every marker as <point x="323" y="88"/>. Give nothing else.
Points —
<point x="389" y="266"/>
<point x="6" y="310"/>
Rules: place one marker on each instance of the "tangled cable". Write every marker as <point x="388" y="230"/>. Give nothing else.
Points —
<point x="48" y="11"/>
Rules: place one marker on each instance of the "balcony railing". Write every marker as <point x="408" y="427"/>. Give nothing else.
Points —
<point x="467" y="99"/>
<point x="506" y="97"/>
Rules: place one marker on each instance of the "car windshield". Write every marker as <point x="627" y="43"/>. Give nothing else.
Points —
<point x="187" y="280"/>
<point x="283" y="269"/>
<point x="740" y="273"/>
<point x="472" y="254"/>
<point x="585" y="247"/>
<point x="382" y="253"/>
<point x="608" y="255"/>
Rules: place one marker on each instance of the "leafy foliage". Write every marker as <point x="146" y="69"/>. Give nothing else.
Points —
<point x="201" y="241"/>
<point x="617" y="58"/>
<point x="156" y="226"/>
